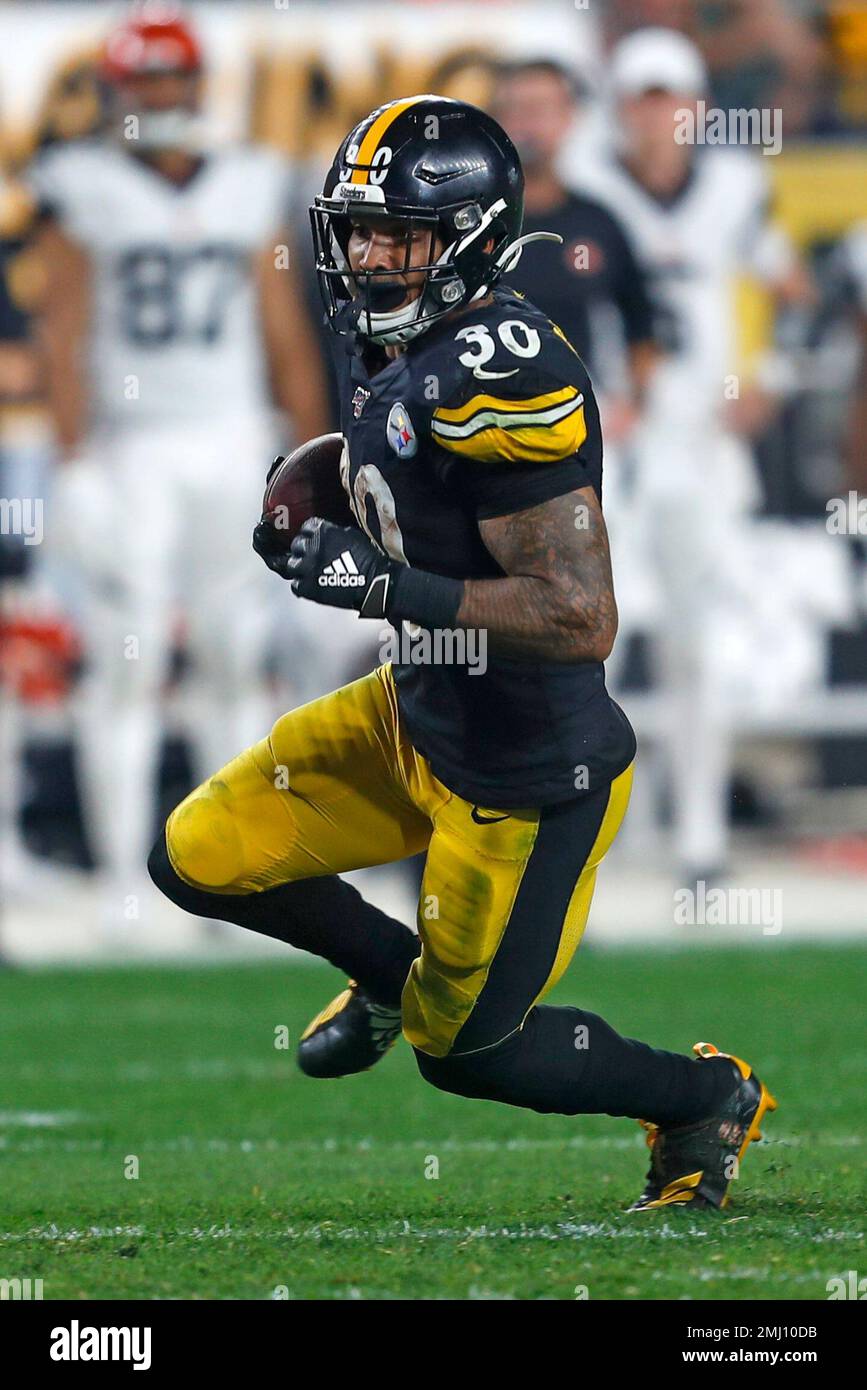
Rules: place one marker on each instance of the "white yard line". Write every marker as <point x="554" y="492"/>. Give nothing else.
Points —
<point x="406" y="1230"/>
<point x="349" y="1146"/>
<point x="39" y="1119"/>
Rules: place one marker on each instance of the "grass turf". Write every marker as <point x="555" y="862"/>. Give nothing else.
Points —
<point x="254" y="1179"/>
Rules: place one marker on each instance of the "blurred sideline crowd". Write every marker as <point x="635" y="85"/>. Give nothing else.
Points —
<point x="161" y="340"/>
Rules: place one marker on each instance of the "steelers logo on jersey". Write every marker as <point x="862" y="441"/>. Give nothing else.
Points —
<point x="400" y="433"/>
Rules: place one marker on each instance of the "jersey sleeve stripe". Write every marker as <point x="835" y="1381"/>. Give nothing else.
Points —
<point x="506" y="419"/>
<point x="519" y="441"/>
<point x="460" y="414"/>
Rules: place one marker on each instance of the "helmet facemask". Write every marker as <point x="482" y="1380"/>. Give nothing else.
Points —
<point x="150" y="128"/>
<point x="464" y="270"/>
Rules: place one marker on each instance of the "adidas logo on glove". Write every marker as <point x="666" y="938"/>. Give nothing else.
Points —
<point x="342" y="573"/>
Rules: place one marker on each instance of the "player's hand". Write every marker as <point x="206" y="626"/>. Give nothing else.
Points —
<point x="268" y="542"/>
<point x="340" y="566"/>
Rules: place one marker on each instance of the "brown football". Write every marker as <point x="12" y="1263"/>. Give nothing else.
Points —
<point x="307" y="483"/>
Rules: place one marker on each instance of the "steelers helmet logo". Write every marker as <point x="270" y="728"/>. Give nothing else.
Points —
<point x="400" y="433"/>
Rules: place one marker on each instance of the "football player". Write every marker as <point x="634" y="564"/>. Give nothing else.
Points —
<point x="172" y="310"/>
<point x="855" y="255"/>
<point x="473" y="463"/>
<point x="700" y="226"/>
<point x="23" y="461"/>
<point x="594" y="288"/>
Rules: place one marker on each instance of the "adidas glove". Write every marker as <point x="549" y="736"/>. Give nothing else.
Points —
<point x="340" y="566"/>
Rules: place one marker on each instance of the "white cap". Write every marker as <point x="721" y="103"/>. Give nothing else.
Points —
<point x="657" y="58"/>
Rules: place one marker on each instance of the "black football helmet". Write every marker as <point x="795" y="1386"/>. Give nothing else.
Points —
<point x="439" y="165"/>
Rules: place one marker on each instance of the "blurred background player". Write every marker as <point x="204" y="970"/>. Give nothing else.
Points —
<point x="592" y="286"/>
<point x="856" y="450"/>
<point x="172" y="327"/>
<point x="34" y="642"/>
<point x="698" y="218"/>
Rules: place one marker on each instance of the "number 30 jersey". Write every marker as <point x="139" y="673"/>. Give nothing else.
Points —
<point x="489" y="413"/>
<point x="174" y="316"/>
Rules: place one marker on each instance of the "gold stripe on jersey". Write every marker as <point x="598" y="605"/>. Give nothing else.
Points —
<point x="372" y="139"/>
<point x="461" y="414"/>
<point x="537" y="429"/>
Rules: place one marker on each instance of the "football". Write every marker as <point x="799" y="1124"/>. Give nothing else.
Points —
<point x="307" y="483"/>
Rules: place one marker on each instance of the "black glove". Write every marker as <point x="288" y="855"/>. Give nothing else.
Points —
<point x="337" y="565"/>
<point x="340" y="566"/>
<point x="271" y="545"/>
<point x="275" y="464"/>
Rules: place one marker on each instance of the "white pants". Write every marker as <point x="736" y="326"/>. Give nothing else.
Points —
<point x="153" y="528"/>
<point x="677" y="543"/>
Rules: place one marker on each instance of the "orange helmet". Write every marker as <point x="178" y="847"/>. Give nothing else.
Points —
<point x="152" y="42"/>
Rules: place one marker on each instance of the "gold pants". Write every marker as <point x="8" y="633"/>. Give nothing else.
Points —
<point x="337" y="786"/>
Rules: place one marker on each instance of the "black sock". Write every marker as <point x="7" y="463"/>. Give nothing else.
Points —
<point x="569" y="1062"/>
<point x="325" y="916"/>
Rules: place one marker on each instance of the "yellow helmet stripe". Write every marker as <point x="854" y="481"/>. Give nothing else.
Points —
<point x="371" y="141"/>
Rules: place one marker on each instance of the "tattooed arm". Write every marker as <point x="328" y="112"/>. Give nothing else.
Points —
<point x="557" y="599"/>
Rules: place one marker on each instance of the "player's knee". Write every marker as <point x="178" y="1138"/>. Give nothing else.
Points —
<point x="461" y="1076"/>
<point x="164" y="876"/>
<point x="203" y="839"/>
<point x="184" y="895"/>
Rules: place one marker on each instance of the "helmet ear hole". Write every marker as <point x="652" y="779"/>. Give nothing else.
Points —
<point x="452" y="292"/>
<point x="468" y="218"/>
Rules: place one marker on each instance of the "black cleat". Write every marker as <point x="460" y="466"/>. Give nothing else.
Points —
<point x="695" y="1163"/>
<point x="350" y="1035"/>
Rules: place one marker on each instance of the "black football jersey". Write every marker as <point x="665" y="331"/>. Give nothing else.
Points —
<point x="488" y="413"/>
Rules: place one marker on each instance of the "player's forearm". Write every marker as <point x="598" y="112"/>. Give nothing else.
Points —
<point x="63" y="329"/>
<point x="644" y="358"/>
<point x="531" y="617"/>
<point x="555" y="601"/>
<point x="301" y="394"/>
<point x="68" y="407"/>
<point x="66" y="393"/>
<point x="522" y="615"/>
<point x="297" y="373"/>
<point x="294" y="355"/>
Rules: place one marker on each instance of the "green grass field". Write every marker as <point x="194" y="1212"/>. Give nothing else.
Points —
<point x="253" y="1178"/>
